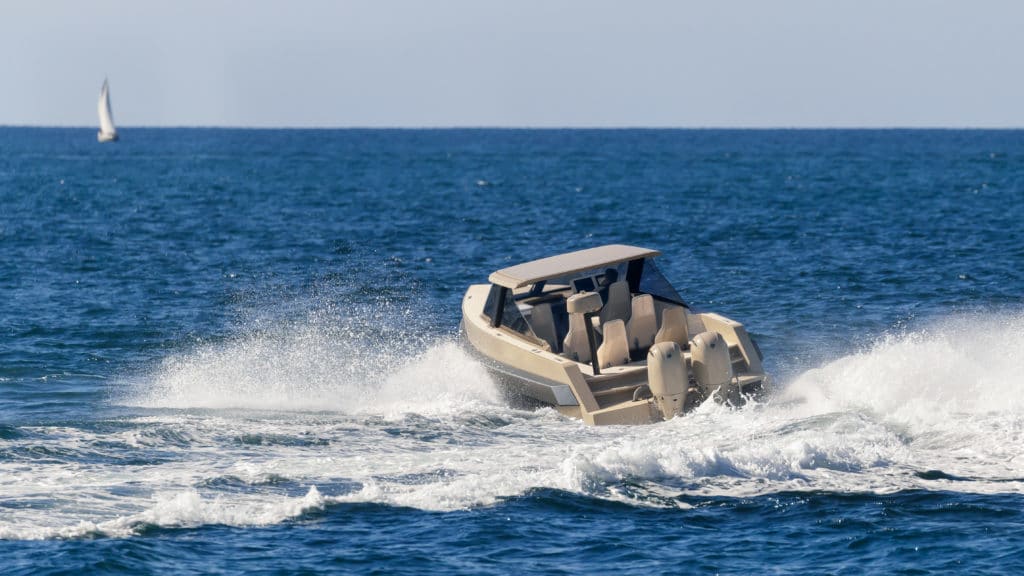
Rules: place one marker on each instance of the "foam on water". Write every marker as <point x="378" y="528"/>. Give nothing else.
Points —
<point x="331" y="416"/>
<point x="183" y="509"/>
<point x="954" y="391"/>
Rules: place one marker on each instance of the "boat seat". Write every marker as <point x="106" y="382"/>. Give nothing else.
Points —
<point x="614" y="351"/>
<point x="643" y="324"/>
<point x="542" y="322"/>
<point x="576" y="345"/>
<point x="674" y="327"/>
<point x="616" y="304"/>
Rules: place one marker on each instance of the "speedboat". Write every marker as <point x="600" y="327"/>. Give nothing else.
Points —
<point x="601" y="335"/>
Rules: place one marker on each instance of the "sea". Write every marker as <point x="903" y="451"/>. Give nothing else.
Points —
<point x="237" y="351"/>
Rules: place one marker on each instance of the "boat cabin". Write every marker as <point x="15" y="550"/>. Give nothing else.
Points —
<point x="616" y="290"/>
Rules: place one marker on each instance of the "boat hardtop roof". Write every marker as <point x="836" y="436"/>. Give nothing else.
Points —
<point x="569" y="263"/>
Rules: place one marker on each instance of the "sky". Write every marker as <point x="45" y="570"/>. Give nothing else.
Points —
<point x="522" y="63"/>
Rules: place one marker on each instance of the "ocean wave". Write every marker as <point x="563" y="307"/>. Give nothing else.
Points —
<point x="938" y="408"/>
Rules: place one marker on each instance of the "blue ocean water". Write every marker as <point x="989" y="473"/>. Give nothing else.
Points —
<point x="237" y="350"/>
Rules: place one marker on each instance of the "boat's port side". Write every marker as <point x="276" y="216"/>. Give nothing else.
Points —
<point x="526" y="390"/>
<point x="525" y="366"/>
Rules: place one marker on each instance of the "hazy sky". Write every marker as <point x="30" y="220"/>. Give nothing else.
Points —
<point x="516" y="63"/>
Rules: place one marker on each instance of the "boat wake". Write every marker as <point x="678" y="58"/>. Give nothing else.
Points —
<point x="265" y="428"/>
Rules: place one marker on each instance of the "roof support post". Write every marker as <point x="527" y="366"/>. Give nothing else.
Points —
<point x="592" y="340"/>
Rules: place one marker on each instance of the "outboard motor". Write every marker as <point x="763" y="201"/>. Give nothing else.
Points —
<point x="712" y="366"/>
<point x="667" y="378"/>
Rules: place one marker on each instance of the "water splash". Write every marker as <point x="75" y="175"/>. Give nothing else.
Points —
<point x="322" y="363"/>
<point x="963" y="365"/>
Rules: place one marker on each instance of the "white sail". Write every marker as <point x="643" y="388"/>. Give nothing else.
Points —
<point x="107" y="130"/>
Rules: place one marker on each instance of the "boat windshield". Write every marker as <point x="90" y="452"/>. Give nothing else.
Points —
<point x="654" y="283"/>
<point x="511" y="317"/>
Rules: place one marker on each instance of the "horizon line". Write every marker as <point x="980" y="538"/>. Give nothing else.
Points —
<point x="510" y="127"/>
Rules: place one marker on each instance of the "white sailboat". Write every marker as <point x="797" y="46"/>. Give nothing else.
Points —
<point x="107" y="133"/>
